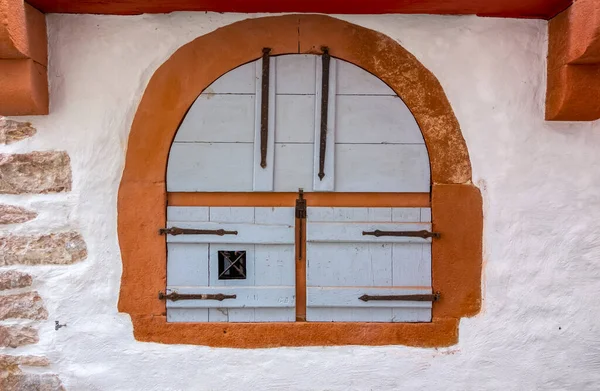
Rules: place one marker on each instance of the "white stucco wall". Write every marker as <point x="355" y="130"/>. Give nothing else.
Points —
<point x="539" y="327"/>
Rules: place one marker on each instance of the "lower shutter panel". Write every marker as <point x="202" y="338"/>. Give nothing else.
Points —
<point x="343" y="265"/>
<point x="261" y="289"/>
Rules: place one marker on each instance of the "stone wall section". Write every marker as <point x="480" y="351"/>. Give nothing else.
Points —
<point x="21" y="307"/>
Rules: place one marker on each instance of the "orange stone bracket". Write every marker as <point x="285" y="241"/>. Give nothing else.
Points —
<point x="142" y="200"/>
<point x="23" y="59"/>
<point x="574" y="63"/>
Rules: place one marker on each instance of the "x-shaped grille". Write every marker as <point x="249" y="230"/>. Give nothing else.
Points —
<point x="233" y="264"/>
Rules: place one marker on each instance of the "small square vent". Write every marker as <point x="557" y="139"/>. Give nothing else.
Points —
<point x="232" y="265"/>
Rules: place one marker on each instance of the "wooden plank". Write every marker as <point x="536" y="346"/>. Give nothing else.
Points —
<point x="349" y="297"/>
<point x="291" y="170"/>
<point x="375" y="120"/>
<point x="176" y="315"/>
<point x="295" y="118"/>
<point x="426" y="215"/>
<point x="332" y="314"/>
<point x="210" y="167"/>
<point x="219" y="118"/>
<point x="382" y="168"/>
<point x="411" y="264"/>
<point x="247" y="297"/>
<point x="241" y="315"/>
<point x="247" y="233"/>
<point x="273" y="215"/>
<point x="274" y="265"/>
<point x="274" y="314"/>
<point x="296" y="74"/>
<point x="263" y="176"/>
<point x="339" y="214"/>
<point x="411" y="315"/>
<point x="240" y="80"/>
<point x="231" y="214"/>
<point x="353" y="80"/>
<point x="187" y="213"/>
<point x="406" y="215"/>
<point x="289" y="198"/>
<point x="327" y="183"/>
<point x="353" y="233"/>
<point x="187" y="264"/>
<point x="349" y="264"/>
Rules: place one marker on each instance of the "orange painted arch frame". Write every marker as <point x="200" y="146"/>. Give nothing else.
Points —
<point x="142" y="199"/>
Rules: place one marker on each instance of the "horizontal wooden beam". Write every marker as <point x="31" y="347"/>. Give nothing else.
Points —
<point x="543" y="9"/>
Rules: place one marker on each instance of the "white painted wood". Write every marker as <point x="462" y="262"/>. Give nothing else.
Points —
<point x="275" y="314"/>
<point x="226" y="214"/>
<point x="218" y="314"/>
<point x="294" y="119"/>
<point x="328" y="314"/>
<point x="177" y="315"/>
<point x="294" y="167"/>
<point x="219" y="118"/>
<point x="327" y="183"/>
<point x="348" y="297"/>
<point x="187" y="213"/>
<point x="213" y="262"/>
<point x="296" y="74"/>
<point x="320" y="232"/>
<point x="406" y="215"/>
<point x="413" y="315"/>
<point x="426" y="215"/>
<point x="411" y="264"/>
<point x="247" y="297"/>
<point x="187" y="264"/>
<point x="240" y="80"/>
<point x="335" y="214"/>
<point x="247" y="233"/>
<point x="275" y="266"/>
<point x="381" y="168"/>
<point x="274" y="215"/>
<point x="345" y="264"/>
<point x="263" y="176"/>
<point x="375" y="120"/>
<point x="241" y="315"/>
<point x="210" y="167"/>
<point x="353" y="80"/>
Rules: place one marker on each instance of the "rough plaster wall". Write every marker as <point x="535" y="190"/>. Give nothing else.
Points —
<point x="539" y="325"/>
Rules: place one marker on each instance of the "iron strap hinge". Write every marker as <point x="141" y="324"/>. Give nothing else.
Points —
<point x="325" y="58"/>
<point x="426" y="297"/>
<point x="411" y="234"/>
<point x="189" y="231"/>
<point x="264" y="107"/>
<point x="174" y="296"/>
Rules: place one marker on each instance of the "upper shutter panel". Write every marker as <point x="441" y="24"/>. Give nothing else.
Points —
<point x="373" y="142"/>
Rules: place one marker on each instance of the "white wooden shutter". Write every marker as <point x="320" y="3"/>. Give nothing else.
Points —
<point x="266" y="235"/>
<point x="343" y="264"/>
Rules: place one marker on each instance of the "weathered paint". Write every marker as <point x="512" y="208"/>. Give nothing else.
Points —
<point x="538" y="327"/>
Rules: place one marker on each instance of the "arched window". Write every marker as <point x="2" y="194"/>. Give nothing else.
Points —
<point x="236" y="263"/>
<point x="388" y="217"/>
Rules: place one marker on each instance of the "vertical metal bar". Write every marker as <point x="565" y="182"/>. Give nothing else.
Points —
<point x="324" y="106"/>
<point x="264" y="108"/>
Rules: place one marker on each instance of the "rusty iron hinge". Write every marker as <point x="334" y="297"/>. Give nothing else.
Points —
<point x="264" y="107"/>
<point x="324" y="110"/>
<point x="427" y="297"/>
<point x="301" y="216"/>
<point x="188" y="231"/>
<point x="412" y="234"/>
<point x="174" y="296"/>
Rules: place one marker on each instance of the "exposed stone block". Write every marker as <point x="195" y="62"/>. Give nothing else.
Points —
<point x="12" y="279"/>
<point x="8" y="361"/>
<point x="35" y="172"/>
<point x="11" y="381"/>
<point x="54" y="249"/>
<point x="13" y="131"/>
<point x="15" y="336"/>
<point x="22" y="306"/>
<point x="11" y="214"/>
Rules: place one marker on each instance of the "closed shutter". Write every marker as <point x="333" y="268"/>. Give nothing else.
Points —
<point x="262" y="279"/>
<point x="343" y="264"/>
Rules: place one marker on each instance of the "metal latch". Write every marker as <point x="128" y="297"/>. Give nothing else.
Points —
<point x="427" y="297"/>
<point x="174" y="296"/>
<point x="413" y="234"/>
<point x="188" y="231"/>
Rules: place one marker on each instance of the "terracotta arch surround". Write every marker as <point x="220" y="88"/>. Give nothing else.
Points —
<point x="456" y="203"/>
